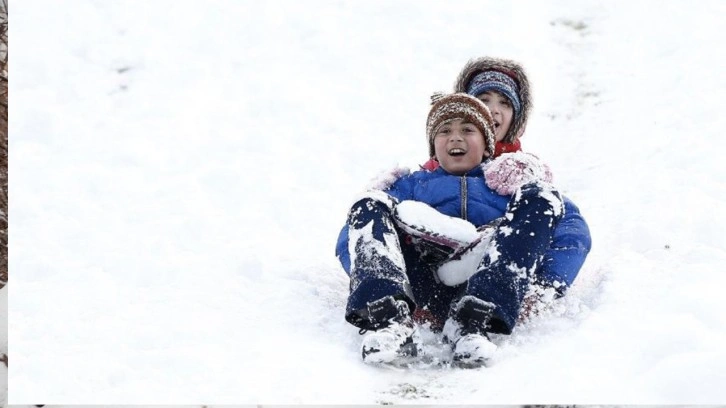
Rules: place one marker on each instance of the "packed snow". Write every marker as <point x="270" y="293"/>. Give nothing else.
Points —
<point x="415" y="215"/>
<point x="180" y="172"/>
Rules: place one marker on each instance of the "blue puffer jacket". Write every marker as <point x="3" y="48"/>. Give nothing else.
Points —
<point x="469" y="197"/>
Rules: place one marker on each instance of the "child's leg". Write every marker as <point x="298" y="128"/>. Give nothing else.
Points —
<point x="377" y="265"/>
<point x="516" y="250"/>
<point x="433" y="298"/>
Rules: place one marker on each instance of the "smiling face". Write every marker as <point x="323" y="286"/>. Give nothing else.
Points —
<point x="502" y="112"/>
<point x="459" y="146"/>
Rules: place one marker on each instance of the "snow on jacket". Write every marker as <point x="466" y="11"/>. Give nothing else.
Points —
<point x="468" y="197"/>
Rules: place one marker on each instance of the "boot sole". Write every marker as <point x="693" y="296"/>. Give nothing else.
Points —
<point x="405" y="355"/>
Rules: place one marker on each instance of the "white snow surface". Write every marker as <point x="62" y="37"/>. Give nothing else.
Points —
<point x="180" y="172"/>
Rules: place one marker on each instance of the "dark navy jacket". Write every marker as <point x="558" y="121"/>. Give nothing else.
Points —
<point x="469" y="197"/>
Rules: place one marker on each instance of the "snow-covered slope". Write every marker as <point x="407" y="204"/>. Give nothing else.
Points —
<point x="180" y="172"/>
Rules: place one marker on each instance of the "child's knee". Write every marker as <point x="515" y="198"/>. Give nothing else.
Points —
<point x="371" y="206"/>
<point x="537" y="196"/>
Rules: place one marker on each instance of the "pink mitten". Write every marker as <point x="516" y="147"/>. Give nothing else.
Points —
<point x="510" y="171"/>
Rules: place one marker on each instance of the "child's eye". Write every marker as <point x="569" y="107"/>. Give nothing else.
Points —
<point x="506" y="102"/>
<point x="443" y="131"/>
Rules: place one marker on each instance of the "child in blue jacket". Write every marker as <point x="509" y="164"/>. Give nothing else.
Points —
<point x="462" y="244"/>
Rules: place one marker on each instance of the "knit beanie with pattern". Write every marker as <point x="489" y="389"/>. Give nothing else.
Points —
<point x="446" y="108"/>
<point x="496" y="81"/>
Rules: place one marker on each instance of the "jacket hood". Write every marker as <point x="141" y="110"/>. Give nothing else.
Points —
<point x="512" y="69"/>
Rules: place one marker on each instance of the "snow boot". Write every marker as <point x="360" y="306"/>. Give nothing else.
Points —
<point x="395" y="341"/>
<point x="465" y="330"/>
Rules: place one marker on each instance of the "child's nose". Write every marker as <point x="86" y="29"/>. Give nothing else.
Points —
<point x="456" y="136"/>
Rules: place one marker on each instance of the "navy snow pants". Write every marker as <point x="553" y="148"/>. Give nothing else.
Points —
<point x="384" y="262"/>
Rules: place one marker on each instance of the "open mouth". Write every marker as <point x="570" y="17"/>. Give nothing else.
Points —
<point x="457" y="151"/>
<point x="496" y="125"/>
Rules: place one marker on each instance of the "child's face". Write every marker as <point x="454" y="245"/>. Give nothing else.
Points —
<point x="459" y="146"/>
<point x="502" y="112"/>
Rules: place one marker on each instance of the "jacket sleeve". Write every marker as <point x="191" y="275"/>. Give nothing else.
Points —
<point x="570" y="245"/>
<point x="402" y="189"/>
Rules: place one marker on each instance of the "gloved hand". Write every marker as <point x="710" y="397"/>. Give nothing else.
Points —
<point x="510" y="171"/>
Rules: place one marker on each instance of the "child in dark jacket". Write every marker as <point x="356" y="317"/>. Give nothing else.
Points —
<point x="447" y="243"/>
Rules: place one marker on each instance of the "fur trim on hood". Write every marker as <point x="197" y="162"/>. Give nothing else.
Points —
<point x="512" y="69"/>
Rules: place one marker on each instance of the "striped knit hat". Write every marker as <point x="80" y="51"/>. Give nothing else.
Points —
<point x="446" y="108"/>
<point x="496" y="81"/>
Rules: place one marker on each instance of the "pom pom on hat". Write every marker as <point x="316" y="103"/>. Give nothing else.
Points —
<point x="436" y="96"/>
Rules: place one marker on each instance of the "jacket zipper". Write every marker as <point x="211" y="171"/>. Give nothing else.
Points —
<point x="463" y="198"/>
